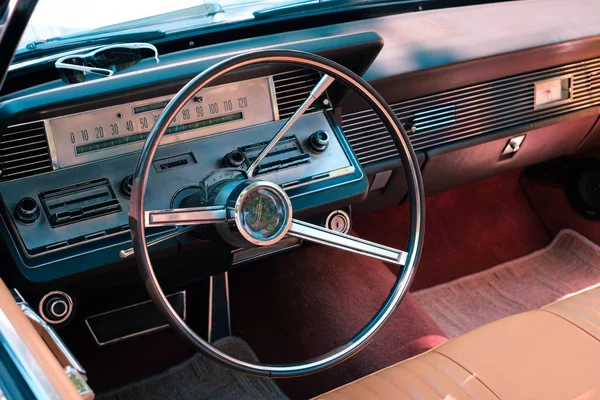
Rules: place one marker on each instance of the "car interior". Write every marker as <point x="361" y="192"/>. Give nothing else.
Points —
<point x="295" y="199"/>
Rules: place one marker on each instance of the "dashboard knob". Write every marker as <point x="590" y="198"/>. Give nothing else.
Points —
<point x="234" y="159"/>
<point x="126" y="185"/>
<point x="318" y="141"/>
<point x="55" y="307"/>
<point x="27" y="210"/>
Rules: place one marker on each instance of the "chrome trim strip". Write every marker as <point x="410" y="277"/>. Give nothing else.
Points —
<point x="273" y="95"/>
<point x="185" y="216"/>
<point x="25" y="361"/>
<point x="119" y="339"/>
<point x="51" y="144"/>
<point x="51" y="338"/>
<point x="125" y="253"/>
<point x="327" y="237"/>
<point x="314" y="94"/>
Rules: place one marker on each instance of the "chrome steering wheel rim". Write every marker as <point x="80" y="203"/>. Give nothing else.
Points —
<point x="415" y="195"/>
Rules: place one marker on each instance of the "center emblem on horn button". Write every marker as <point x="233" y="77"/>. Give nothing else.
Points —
<point x="263" y="213"/>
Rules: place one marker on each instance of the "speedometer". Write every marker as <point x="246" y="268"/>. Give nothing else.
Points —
<point x="113" y="131"/>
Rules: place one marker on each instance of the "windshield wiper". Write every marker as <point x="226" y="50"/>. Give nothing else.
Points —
<point x="130" y="31"/>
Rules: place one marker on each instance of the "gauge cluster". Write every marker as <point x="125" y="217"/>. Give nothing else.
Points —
<point x="113" y="131"/>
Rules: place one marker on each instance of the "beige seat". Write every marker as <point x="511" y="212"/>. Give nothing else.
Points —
<point x="552" y="353"/>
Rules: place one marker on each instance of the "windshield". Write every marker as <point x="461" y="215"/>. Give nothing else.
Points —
<point x="53" y="19"/>
<point x="60" y="25"/>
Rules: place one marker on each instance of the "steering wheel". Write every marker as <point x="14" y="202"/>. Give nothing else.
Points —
<point x="237" y="204"/>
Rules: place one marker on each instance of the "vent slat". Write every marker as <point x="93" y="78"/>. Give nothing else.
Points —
<point x="475" y="110"/>
<point x="24" y="151"/>
<point x="292" y="88"/>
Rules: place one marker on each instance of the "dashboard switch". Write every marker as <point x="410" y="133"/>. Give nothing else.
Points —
<point x="27" y="211"/>
<point x="126" y="185"/>
<point x="318" y="141"/>
<point x="234" y="159"/>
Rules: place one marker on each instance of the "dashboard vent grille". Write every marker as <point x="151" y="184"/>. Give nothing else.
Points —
<point x="292" y="88"/>
<point x="470" y="111"/>
<point x="24" y="151"/>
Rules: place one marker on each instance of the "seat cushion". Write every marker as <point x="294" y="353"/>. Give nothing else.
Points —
<point x="553" y="353"/>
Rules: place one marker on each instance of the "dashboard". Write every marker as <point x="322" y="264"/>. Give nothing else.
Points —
<point x="461" y="92"/>
<point x="78" y="210"/>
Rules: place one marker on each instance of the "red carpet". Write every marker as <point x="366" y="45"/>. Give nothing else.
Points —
<point x="551" y="205"/>
<point x="301" y="304"/>
<point x="468" y="229"/>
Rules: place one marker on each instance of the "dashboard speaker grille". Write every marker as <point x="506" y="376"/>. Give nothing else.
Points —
<point x="292" y="88"/>
<point x="24" y="151"/>
<point x="470" y="111"/>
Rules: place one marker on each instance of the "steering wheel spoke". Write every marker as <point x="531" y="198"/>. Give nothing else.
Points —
<point x="314" y="94"/>
<point x="327" y="237"/>
<point x="185" y="216"/>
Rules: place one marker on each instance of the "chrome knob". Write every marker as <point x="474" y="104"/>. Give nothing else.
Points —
<point x="27" y="211"/>
<point x="56" y="307"/>
<point x="126" y="185"/>
<point x="318" y="141"/>
<point x="234" y="159"/>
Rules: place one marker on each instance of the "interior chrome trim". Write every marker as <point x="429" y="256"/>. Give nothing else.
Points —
<point x="51" y="144"/>
<point x="273" y="95"/>
<point x="314" y="94"/>
<point x="49" y="335"/>
<point x="186" y="216"/>
<point x="285" y="203"/>
<point x="67" y="313"/>
<point x="125" y="253"/>
<point x="156" y="328"/>
<point x="25" y="361"/>
<point x="327" y="237"/>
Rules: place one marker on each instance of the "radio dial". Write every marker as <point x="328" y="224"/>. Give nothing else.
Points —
<point x="27" y="211"/>
<point x="234" y="159"/>
<point x="318" y="141"/>
<point x="126" y="185"/>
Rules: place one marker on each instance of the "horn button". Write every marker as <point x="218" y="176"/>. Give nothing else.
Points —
<point x="262" y="213"/>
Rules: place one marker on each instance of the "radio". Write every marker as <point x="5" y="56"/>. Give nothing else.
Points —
<point x="78" y="202"/>
<point x="286" y="153"/>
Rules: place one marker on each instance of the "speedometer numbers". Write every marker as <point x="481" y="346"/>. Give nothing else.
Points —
<point x="115" y="130"/>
